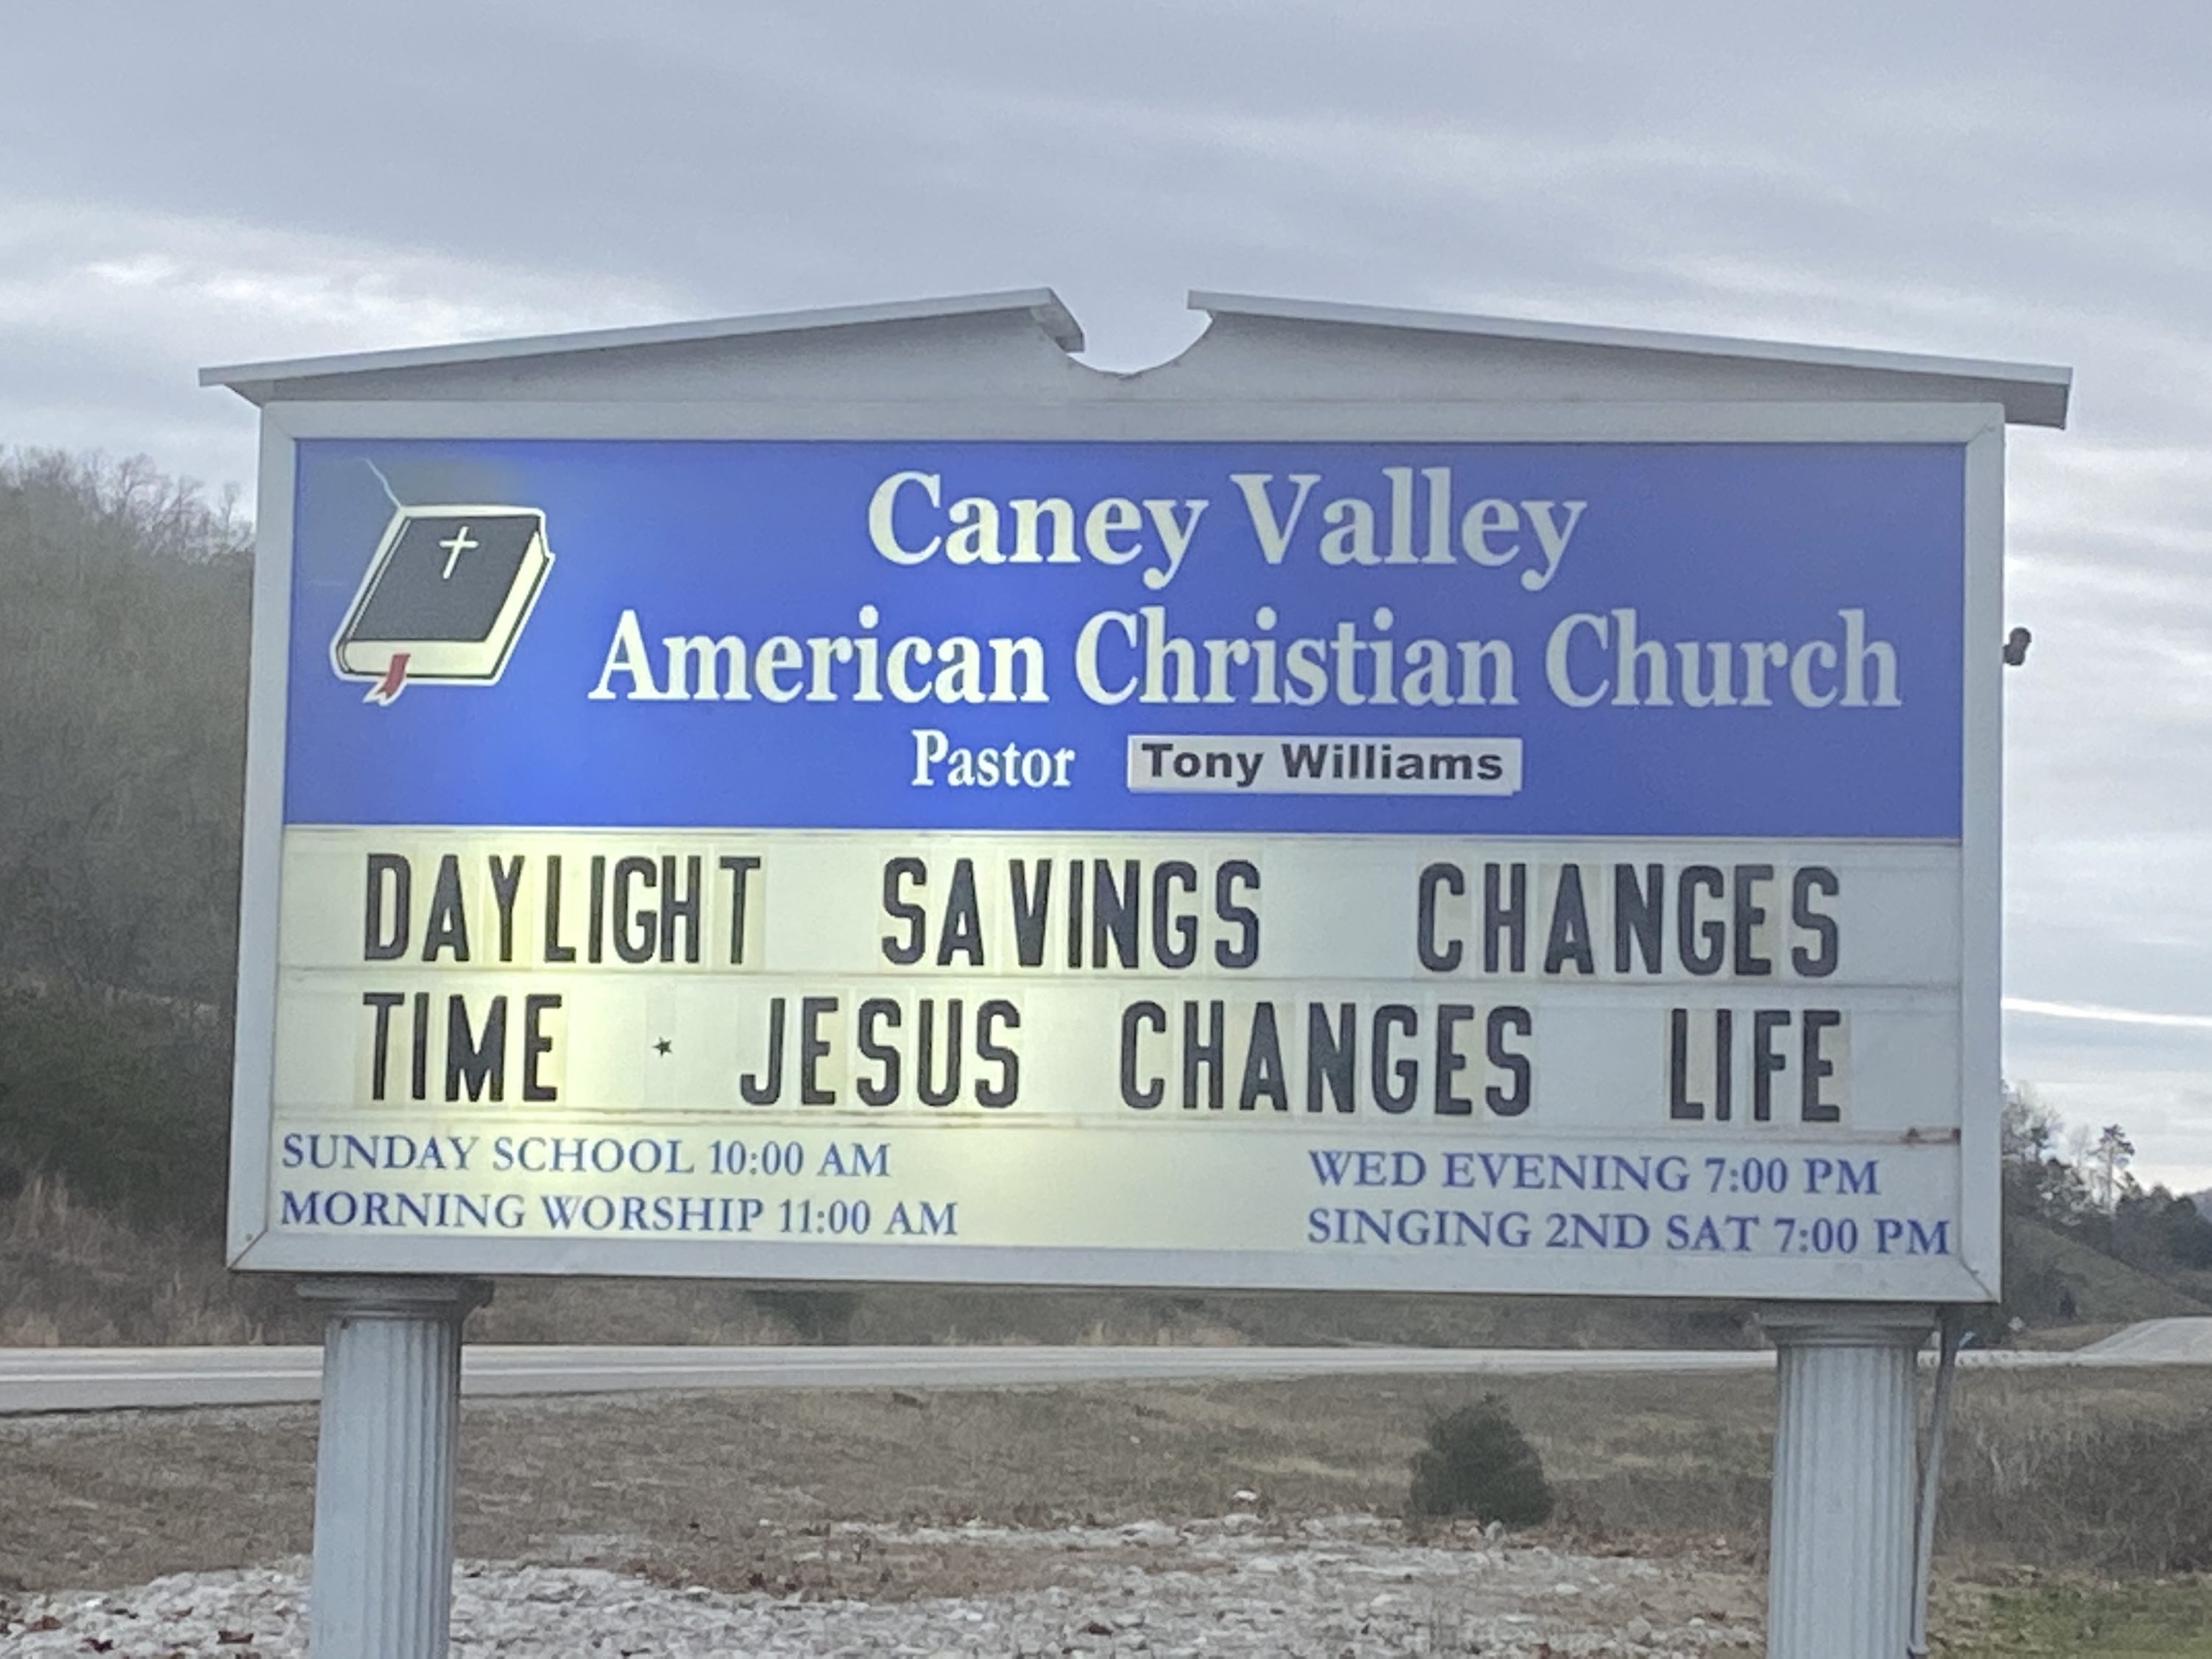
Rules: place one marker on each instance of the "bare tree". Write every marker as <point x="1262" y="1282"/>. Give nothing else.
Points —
<point x="2109" y="1158"/>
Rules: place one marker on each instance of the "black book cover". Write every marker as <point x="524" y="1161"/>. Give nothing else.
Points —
<point x="444" y="598"/>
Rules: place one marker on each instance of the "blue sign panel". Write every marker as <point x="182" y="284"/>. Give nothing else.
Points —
<point x="1525" y="639"/>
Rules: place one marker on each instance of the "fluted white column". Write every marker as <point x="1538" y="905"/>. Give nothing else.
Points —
<point x="1839" y="1554"/>
<point x="384" y="1464"/>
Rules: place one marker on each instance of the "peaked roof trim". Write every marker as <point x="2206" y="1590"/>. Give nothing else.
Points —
<point x="1041" y="304"/>
<point x="2032" y="394"/>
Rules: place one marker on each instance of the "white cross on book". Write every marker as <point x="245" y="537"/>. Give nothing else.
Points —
<point x="460" y="543"/>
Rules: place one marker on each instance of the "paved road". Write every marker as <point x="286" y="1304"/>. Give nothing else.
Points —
<point x="2155" y="1342"/>
<point x="40" y="1380"/>
<point x="98" y="1379"/>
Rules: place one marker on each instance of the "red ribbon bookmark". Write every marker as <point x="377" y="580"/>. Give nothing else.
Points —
<point x="395" y="677"/>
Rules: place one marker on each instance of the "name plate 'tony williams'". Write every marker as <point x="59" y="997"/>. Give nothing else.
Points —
<point x="1326" y="766"/>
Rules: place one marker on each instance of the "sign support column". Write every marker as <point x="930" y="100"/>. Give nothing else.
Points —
<point x="1839" y="1552"/>
<point x="384" y="1464"/>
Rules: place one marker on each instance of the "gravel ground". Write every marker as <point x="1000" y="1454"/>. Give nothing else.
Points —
<point x="1339" y="1588"/>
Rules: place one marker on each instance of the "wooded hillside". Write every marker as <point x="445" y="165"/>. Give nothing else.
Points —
<point x="123" y="642"/>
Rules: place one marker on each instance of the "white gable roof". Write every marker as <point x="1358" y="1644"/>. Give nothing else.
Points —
<point x="1020" y="344"/>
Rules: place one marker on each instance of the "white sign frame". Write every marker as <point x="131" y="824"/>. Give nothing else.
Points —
<point x="1971" y="1275"/>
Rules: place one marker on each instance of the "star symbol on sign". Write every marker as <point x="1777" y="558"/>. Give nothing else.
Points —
<point x="663" y="1046"/>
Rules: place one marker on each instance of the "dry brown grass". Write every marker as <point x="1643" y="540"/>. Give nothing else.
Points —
<point x="71" y="1274"/>
<point x="726" y="1489"/>
<point x="2118" y="1480"/>
<point x="739" y="1489"/>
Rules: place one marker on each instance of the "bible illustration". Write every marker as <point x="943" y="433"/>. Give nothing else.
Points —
<point x="445" y="598"/>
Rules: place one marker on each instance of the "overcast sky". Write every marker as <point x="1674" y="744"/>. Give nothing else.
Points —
<point x="191" y="185"/>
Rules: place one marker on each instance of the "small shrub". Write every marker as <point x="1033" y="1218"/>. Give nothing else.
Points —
<point x="1477" y="1463"/>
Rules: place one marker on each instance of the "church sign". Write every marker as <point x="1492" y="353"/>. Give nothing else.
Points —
<point x="1506" y="858"/>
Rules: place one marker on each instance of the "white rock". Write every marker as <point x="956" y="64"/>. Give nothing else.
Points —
<point x="1227" y="1589"/>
